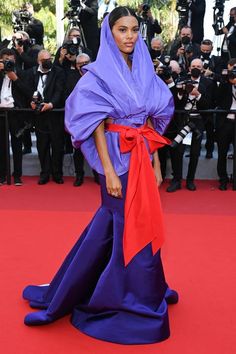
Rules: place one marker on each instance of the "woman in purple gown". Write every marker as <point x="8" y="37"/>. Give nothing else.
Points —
<point x="112" y="281"/>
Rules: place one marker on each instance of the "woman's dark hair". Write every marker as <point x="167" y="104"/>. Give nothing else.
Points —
<point x="119" y="12"/>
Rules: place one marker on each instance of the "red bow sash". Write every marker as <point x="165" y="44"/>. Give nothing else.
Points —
<point x="143" y="214"/>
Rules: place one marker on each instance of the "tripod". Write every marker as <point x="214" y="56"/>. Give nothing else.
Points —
<point x="74" y="21"/>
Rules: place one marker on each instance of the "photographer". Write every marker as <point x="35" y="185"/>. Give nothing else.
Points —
<point x="197" y="13"/>
<point x="24" y="20"/>
<point x="26" y="53"/>
<point x="147" y="24"/>
<point x="228" y="48"/>
<point x="191" y="13"/>
<point x="72" y="77"/>
<point x="193" y="93"/>
<point x="170" y="75"/>
<point x="89" y="21"/>
<point x="14" y="94"/>
<point x="212" y="65"/>
<point x="26" y="57"/>
<point x="47" y="83"/>
<point x="225" y="126"/>
<point x="184" y="49"/>
<point x="66" y="55"/>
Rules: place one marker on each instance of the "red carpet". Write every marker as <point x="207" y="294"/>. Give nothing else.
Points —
<point x="39" y="224"/>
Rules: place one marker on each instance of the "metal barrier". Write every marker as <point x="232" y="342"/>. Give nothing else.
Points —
<point x="4" y="115"/>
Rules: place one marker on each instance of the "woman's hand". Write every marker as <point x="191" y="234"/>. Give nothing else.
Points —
<point x="113" y="184"/>
<point x="158" y="175"/>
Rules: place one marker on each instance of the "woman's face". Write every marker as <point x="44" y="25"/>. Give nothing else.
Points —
<point x="125" y="32"/>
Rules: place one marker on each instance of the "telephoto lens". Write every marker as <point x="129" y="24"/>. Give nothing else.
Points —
<point x="182" y="134"/>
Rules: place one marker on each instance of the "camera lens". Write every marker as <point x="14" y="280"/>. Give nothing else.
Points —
<point x="9" y="65"/>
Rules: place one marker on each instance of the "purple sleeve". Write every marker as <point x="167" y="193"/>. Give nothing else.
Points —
<point x="162" y="109"/>
<point x="85" y="109"/>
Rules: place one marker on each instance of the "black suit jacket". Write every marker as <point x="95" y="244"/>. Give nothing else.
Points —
<point x="89" y="22"/>
<point x="35" y="30"/>
<point x="231" y="42"/>
<point x="224" y="101"/>
<point x="197" y="8"/>
<point x="54" y="88"/>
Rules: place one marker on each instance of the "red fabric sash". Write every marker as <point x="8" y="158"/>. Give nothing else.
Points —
<point x="143" y="213"/>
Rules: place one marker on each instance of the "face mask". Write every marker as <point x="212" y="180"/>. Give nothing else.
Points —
<point x="205" y="55"/>
<point x="155" y="53"/>
<point x="47" y="64"/>
<point x="195" y="73"/>
<point x="231" y="19"/>
<point x="185" y="40"/>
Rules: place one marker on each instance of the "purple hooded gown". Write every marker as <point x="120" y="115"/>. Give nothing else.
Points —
<point x="107" y="300"/>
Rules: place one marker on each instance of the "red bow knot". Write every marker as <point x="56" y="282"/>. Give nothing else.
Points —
<point x="143" y="214"/>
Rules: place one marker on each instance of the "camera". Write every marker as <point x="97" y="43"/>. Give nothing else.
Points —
<point x="227" y="75"/>
<point x="20" y="19"/>
<point x="37" y="100"/>
<point x="18" y="41"/>
<point x="72" y="46"/>
<point x="219" y="4"/>
<point x="206" y="63"/>
<point x="185" y="86"/>
<point x="145" y="9"/>
<point x="218" y="15"/>
<point x="74" y="3"/>
<point x="9" y="65"/>
<point x="188" y="48"/>
<point x="165" y="71"/>
<point x="182" y="7"/>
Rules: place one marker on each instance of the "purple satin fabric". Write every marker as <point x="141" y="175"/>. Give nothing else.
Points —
<point x="107" y="300"/>
<point x="110" y="89"/>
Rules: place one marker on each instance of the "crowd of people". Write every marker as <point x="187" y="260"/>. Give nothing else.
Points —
<point x="31" y="77"/>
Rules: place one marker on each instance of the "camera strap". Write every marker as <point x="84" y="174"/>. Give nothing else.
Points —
<point x="191" y="103"/>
